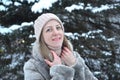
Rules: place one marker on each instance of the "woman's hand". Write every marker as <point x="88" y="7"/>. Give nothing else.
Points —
<point x="56" y="60"/>
<point x="68" y="57"/>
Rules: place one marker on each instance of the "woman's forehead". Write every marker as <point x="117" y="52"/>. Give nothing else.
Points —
<point x="51" y="23"/>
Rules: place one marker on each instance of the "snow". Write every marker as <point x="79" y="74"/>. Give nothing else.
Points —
<point x="17" y="4"/>
<point x="29" y="1"/>
<point x="16" y="59"/>
<point x="4" y="30"/>
<point x="107" y="53"/>
<point x="14" y="27"/>
<point x="89" y="7"/>
<point x="88" y="35"/>
<point x="117" y="65"/>
<point x="97" y="72"/>
<point x="2" y="8"/>
<point x="46" y="4"/>
<point x="70" y="8"/>
<point x="7" y="2"/>
<point x="42" y="4"/>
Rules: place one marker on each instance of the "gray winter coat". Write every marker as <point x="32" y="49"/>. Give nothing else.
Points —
<point x="36" y="69"/>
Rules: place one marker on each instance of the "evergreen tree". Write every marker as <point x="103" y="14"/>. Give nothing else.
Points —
<point x="100" y="47"/>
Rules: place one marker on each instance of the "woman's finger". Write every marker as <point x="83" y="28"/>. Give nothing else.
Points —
<point x="67" y="50"/>
<point x="54" y="54"/>
<point x="48" y="62"/>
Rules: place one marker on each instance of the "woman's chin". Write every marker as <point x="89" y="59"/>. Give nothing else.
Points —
<point x="57" y="46"/>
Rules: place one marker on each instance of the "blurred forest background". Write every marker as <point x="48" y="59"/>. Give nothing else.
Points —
<point x="95" y="35"/>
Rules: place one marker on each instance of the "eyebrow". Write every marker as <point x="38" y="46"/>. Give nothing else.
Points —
<point x="51" y="26"/>
<point x="47" y="27"/>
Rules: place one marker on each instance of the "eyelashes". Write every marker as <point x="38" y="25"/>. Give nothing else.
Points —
<point x="50" y="29"/>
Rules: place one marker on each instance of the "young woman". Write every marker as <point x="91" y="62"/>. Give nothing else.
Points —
<point x="53" y="57"/>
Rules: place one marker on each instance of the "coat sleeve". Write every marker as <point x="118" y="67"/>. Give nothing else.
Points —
<point x="82" y="72"/>
<point x="31" y="73"/>
<point x="61" y="72"/>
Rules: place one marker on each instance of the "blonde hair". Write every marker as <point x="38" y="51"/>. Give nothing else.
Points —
<point x="45" y="52"/>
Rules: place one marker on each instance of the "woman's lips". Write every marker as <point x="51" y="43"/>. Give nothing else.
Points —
<point x="56" y="39"/>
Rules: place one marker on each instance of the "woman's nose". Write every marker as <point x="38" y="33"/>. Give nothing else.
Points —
<point x="55" y="31"/>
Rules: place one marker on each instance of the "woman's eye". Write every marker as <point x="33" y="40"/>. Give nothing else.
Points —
<point x="48" y="30"/>
<point x="59" y="27"/>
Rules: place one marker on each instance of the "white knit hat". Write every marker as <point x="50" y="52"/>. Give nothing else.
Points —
<point x="41" y="21"/>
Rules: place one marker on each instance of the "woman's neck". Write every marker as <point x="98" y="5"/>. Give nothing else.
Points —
<point x="57" y="50"/>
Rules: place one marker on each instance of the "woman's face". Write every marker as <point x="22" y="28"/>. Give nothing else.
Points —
<point x="53" y="34"/>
